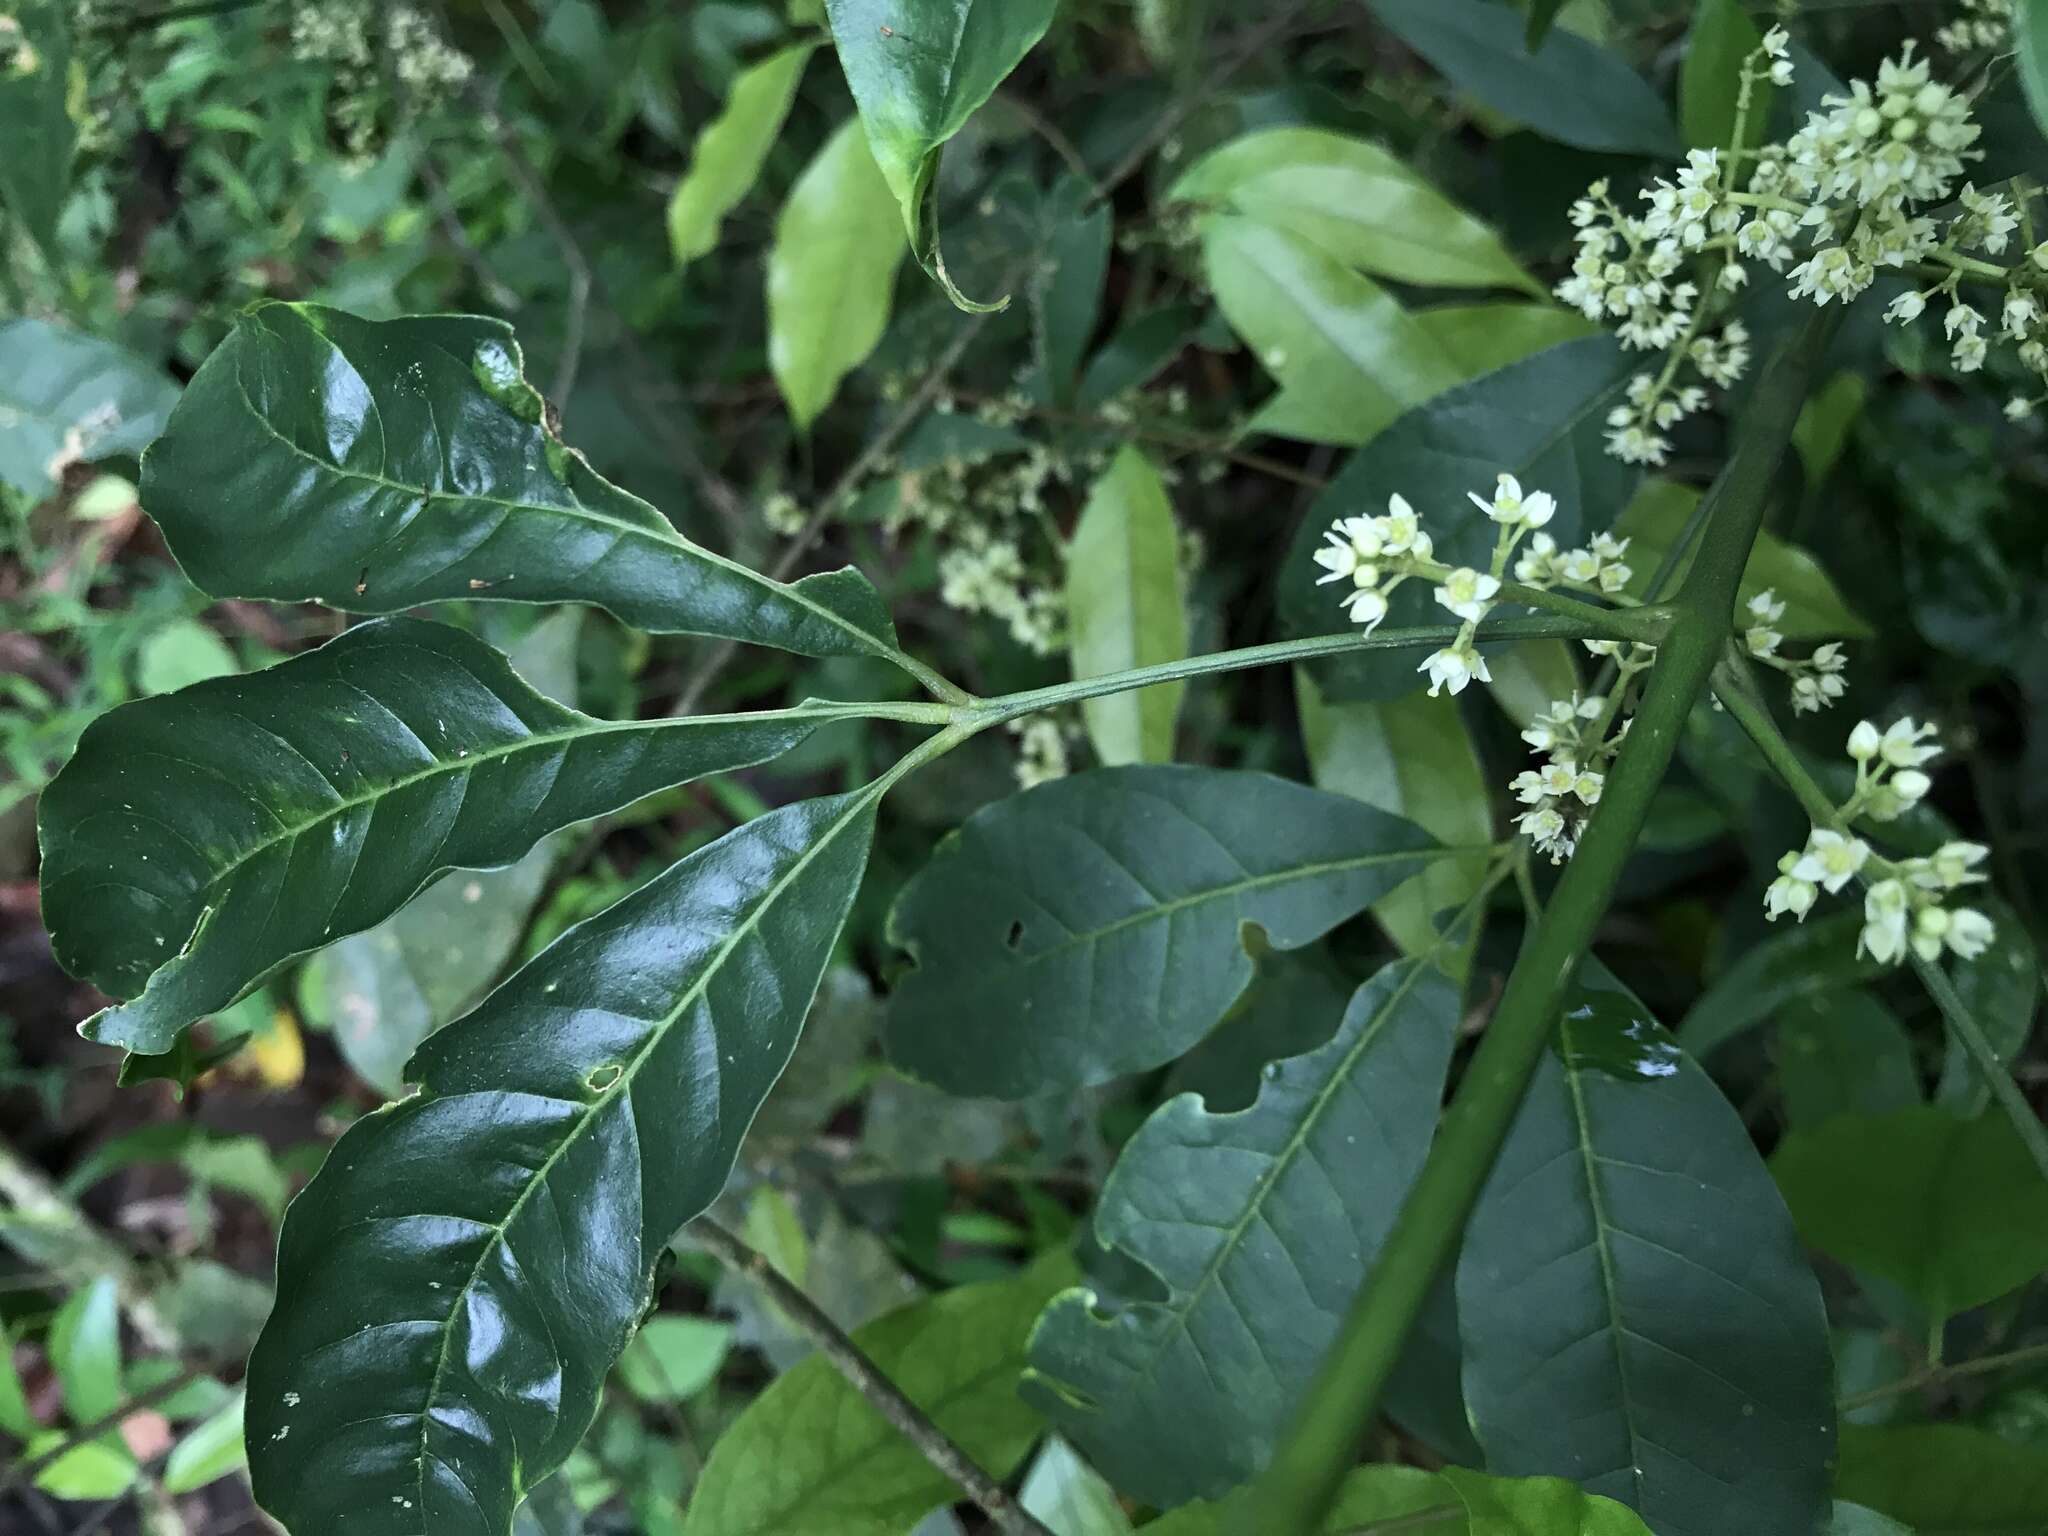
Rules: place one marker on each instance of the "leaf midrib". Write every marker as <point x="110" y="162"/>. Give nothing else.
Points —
<point x="855" y="806"/>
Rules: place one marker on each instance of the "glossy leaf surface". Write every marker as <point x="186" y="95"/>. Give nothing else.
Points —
<point x="456" y="1282"/>
<point x="1566" y="89"/>
<point x="810" y="1457"/>
<point x="1947" y="1479"/>
<point x="197" y="840"/>
<point x="1636" y="1310"/>
<point x="1124" y="608"/>
<point x="1542" y="419"/>
<point x="1090" y="927"/>
<point x="731" y="150"/>
<point x="1356" y="202"/>
<point x="917" y="73"/>
<point x="831" y="273"/>
<point x="374" y="465"/>
<point x="1951" y="1209"/>
<point x="1260" y="1225"/>
<point x="65" y="396"/>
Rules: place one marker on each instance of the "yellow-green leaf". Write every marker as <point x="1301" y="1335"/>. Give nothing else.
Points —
<point x="731" y="149"/>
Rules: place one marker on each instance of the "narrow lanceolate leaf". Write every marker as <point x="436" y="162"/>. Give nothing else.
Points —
<point x="1260" y="1225"/>
<point x="1090" y="927"/>
<point x="731" y="150"/>
<point x="1565" y="88"/>
<point x="1124" y="608"/>
<point x="199" y="839"/>
<point x="1348" y="357"/>
<point x="918" y="71"/>
<point x="457" y="1281"/>
<point x="377" y="465"/>
<point x="810" y="1457"/>
<point x="1356" y="201"/>
<point x="1543" y="419"/>
<point x="1636" y="1311"/>
<point x="831" y="273"/>
<point x="35" y="121"/>
<point x="66" y="396"/>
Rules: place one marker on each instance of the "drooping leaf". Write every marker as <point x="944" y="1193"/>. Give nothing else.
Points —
<point x="1946" y="1479"/>
<point x="35" y="120"/>
<point x="1566" y="89"/>
<point x="1842" y="1052"/>
<point x="1483" y="338"/>
<point x="1069" y="1497"/>
<point x="1814" y="606"/>
<point x="1355" y="201"/>
<point x="831" y="273"/>
<point x="85" y="1351"/>
<point x="1710" y="79"/>
<point x="1089" y="927"/>
<point x="917" y="74"/>
<point x="732" y="148"/>
<point x="2030" y="49"/>
<point x="197" y="840"/>
<point x="1542" y="419"/>
<point x="378" y="465"/>
<point x="2001" y="988"/>
<point x="810" y="1457"/>
<point x="1260" y="1225"/>
<point x="1633" y="1299"/>
<point x="1348" y="357"/>
<point x="65" y="396"/>
<point x="1951" y="1209"/>
<point x="1066" y="288"/>
<point x="674" y="1357"/>
<point x="1124" y="608"/>
<point x="1410" y="757"/>
<point x="209" y="1451"/>
<point x="457" y="1281"/>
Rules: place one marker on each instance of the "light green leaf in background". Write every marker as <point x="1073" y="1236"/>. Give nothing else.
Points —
<point x="1634" y="1305"/>
<point x="1090" y="927"/>
<point x="810" y="1457"/>
<point x="1348" y="357"/>
<point x="731" y="150"/>
<point x="2030" y="50"/>
<point x="15" y="1418"/>
<point x="1358" y="203"/>
<point x="96" y="1469"/>
<point x="375" y="465"/>
<point x="1260" y="1225"/>
<point x="1124" y="608"/>
<point x="1710" y="78"/>
<point x="1856" y="1520"/>
<point x="1480" y="338"/>
<point x="35" y="120"/>
<point x="673" y="1357"/>
<point x="831" y="273"/>
<point x="1068" y="1496"/>
<point x="181" y="653"/>
<point x="918" y="71"/>
<point x="1946" y="1479"/>
<point x="65" y="396"/>
<point x="290" y="807"/>
<point x="1454" y="1502"/>
<point x="1814" y="607"/>
<point x="1567" y="89"/>
<point x="1540" y="1506"/>
<point x="2001" y="988"/>
<point x="85" y="1351"/>
<point x="1951" y="1209"/>
<point x="1529" y="675"/>
<point x="209" y="1451"/>
<point x="457" y="1281"/>
<point x="1411" y="757"/>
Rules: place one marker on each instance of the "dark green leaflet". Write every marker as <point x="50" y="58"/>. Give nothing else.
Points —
<point x="457" y="1281"/>
<point x="199" y="839"/>
<point x="377" y="465"/>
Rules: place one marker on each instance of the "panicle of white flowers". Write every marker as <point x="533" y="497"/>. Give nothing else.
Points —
<point x="1817" y="680"/>
<point x="1371" y="556"/>
<point x="783" y="514"/>
<point x="1595" y="567"/>
<point x="1041" y="750"/>
<point x="1577" y="739"/>
<point x="1907" y="903"/>
<point x="1985" y="24"/>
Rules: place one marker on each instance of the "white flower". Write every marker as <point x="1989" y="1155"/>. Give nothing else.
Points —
<point x="1400" y="526"/>
<point x="1528" y="787"/>
<point x="1559" y="775"/>
<point x="1954" y="864"/>
<point x="1789" y="893"/>
<point x="1765" y="607"/>
<point x="1467" y="593"/>
<point x="1454" y="668"/>
<point x="1884" y="922"/>
<point x="1910" y="785"/>
<point x="1338" y="557"/>
<point x="1587" y="786"/>
<point x="1906" y="308"/>
<point x="1930" y="924"/>
<point x="1762" y="641"/>
<point x="1864" y="741"/>
<point x="1900" y="745"/>
<point x="1511" y="508"/>
<point x="1366" y="606"/>
<point x="1970" y="932"/>
<point x="1830" y="859"/>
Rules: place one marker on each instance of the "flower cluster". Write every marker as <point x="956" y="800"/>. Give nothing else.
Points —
<point x="1845" y="197"/>
<point x="1558" y="795"/>
<point x="1596" y="567"/>
<point x="1374" y="555"/>
<point x="1041" y="750"/>
<point x="1905" y="903"/>
<point x="1817" y="679"/>
<point x="1984" y="24"/>
<point x="353" y="38"/>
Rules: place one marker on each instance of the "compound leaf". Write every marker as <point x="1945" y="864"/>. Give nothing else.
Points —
<point x="199" y="839"/>
<point x="456" y="1282"/>
<point x="1090" y="927"/>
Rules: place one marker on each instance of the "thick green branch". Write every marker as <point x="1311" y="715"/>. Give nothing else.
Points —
<point x="1297" y="1490"/>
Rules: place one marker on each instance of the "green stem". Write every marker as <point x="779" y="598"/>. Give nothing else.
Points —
<point x="1738" y="695"/>
<point x="1297" y="1490"/>
<point x="1935" y="1376"/>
